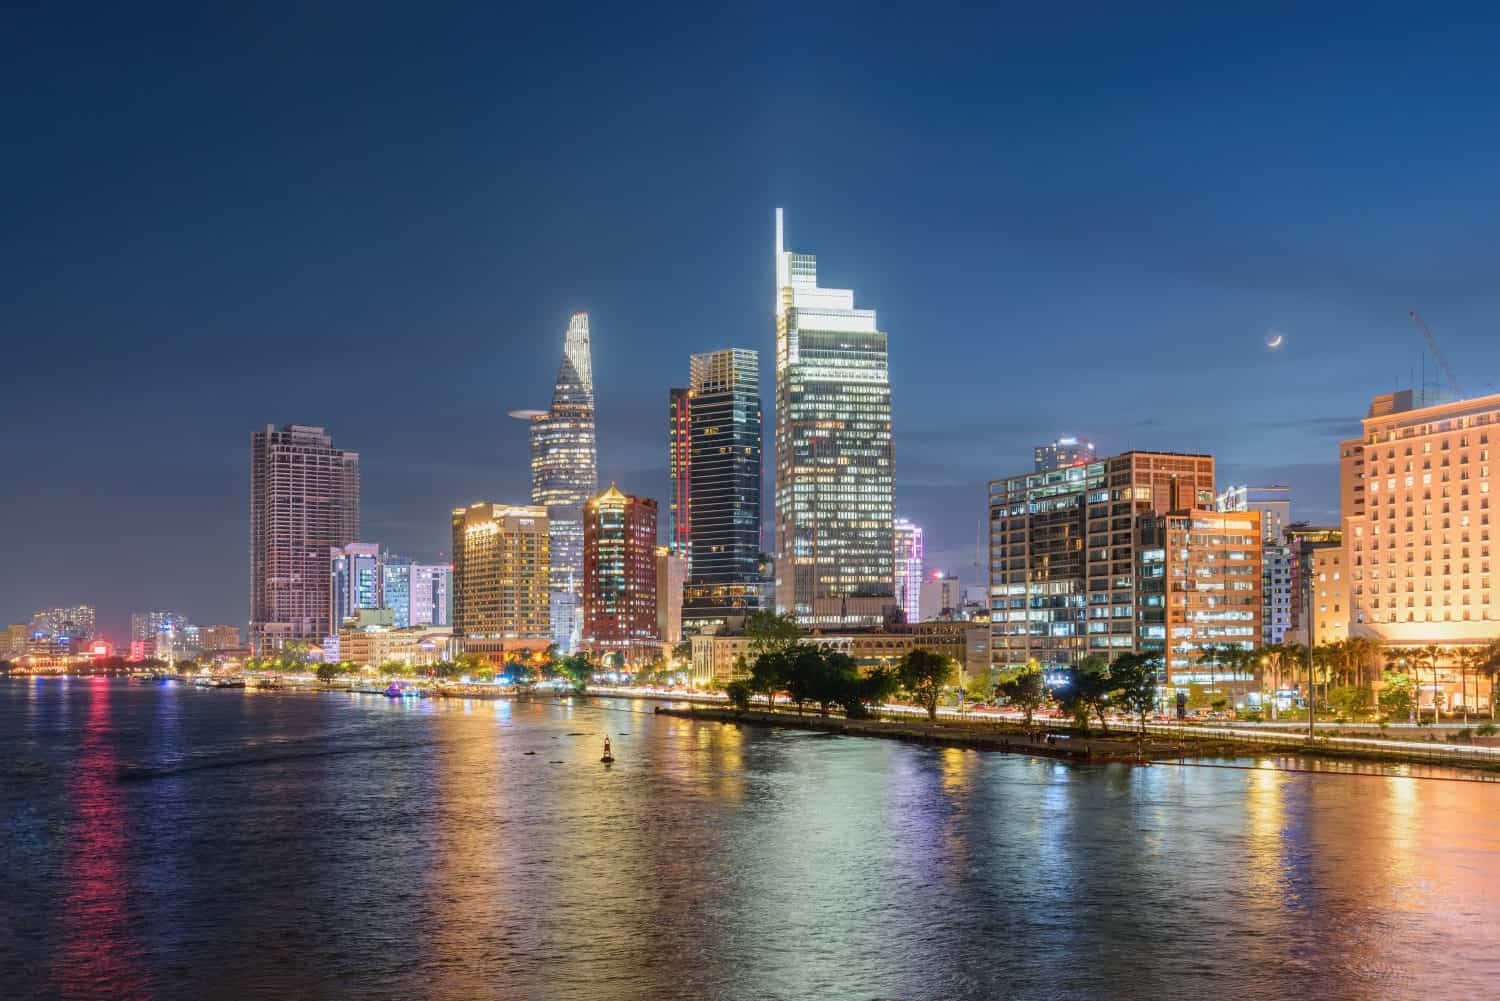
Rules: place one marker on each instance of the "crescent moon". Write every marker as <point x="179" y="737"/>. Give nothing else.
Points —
<point x="1274" y="342"/>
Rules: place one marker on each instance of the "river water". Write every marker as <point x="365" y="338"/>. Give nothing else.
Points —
<point x="161" y="841"/>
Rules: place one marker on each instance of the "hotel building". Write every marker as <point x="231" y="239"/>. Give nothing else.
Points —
<point x="620" y="613"/>
<point x="501" y="580"/>
<point x="835" y="487"/>
<point x="1416" y="489"/>
<point x="304" y="501"/>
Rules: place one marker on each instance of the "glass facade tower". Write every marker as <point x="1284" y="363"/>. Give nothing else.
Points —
<point x="909" y="550"/>
<point x="564" y="467"/>
<point x="835" y="486"/>
<point x="715" y="461"/>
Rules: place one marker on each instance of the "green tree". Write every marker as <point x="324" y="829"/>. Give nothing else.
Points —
<point x="1349" y="700"/>
<point x="1396" y="694"/>
<point x="327" y="673"/>
<point x="769" y="673"/>
<point x="520" y="673"/>
<point x="924" y="675"/>
<point x="577" y="669"/>
<point x="1025" y="689"/>
<point x="771" y="633"/>
<point x="1134" y="677"/>
<point x="739" y="694"/>
<point x="1087" y="690"/>
<point x="875" y="688"/>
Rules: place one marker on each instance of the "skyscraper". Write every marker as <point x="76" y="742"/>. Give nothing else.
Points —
<point x="356" y="580"/>
<point x="620" y="613"/>
<point x="564" y="463"/>
<point x="835" y="487"/>
<point x="1062" y="453"/>
<point x="304" y="501"/>
<point x="909" y="549"/>
<point x="501" y="577"/>
<point x="715" y="462"/>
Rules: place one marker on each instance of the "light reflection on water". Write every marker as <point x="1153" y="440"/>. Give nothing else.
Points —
<point x="179" y="843"/>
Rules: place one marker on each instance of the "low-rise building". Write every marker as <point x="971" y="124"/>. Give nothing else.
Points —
<point x="416" y="646"/>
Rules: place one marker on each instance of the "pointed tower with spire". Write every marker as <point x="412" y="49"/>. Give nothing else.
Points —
<point x="565" y="473"/>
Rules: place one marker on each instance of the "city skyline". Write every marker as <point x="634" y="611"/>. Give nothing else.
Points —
<point x="426" y="296"/>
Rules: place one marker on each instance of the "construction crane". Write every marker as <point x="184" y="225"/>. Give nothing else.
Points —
<point x="1436" y="354"/>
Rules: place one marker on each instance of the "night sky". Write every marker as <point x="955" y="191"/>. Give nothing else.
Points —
<point x="379" y="220"/>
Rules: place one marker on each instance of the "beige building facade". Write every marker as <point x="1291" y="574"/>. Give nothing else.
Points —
<point x="501" y="580"/>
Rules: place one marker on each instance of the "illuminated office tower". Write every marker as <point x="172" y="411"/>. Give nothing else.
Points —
<point x="304" y="501"/>
<point x="564" y="464"/>
<point x="1064" y="553"/>
<point x="835" y="488"/>
<point x="715" y="462"/>
<point x="620" y="614"/>
<point x="501" y="580"/>
<point x="356" y="580"/>
<point x="908" y="563"/>
<point x="1062" y="453"/>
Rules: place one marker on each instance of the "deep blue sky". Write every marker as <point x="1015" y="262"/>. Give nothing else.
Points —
<point x="379" y="220"/>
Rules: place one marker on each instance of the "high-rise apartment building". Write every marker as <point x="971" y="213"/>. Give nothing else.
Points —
<point x="1062" y="453"/>
<point x="908" y="564"/>
<point x="431" y="594"/>
<point x="501" y="580"/>
<point x="1416" y="488"/>
<point x="1064" y="552"/>
<point x="356" y="581"/>
<point x="304" y="501"/>
<point x="70" y="625"/>
<point x="147" y="625"/>
<point x="715" y="462"/>
<point x="564" y="462"/>
<point x="620" y="612"/>
<point x="835" y="486"/>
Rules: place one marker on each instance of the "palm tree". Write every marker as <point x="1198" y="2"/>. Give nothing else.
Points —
<point x="1429" y="655"/>
<point x="1470" y="659"/>
<point x="1295" y="658"/>
<point x="1490" y="668"/>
